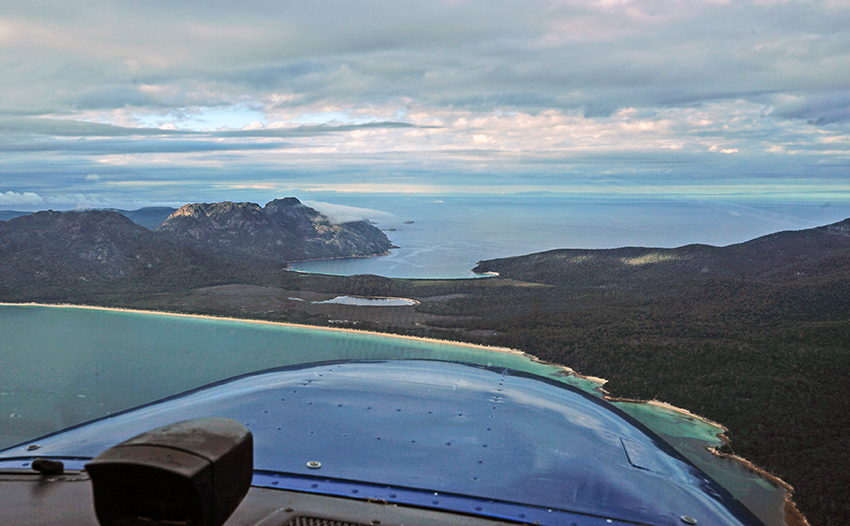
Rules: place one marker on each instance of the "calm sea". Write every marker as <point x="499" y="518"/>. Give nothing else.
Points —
<point x="445" y="237"/>
<point x="60" y="366"/>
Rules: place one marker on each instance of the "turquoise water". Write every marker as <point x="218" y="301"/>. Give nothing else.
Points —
<point x="691" y="435"/>
<point x="61" y="366"/>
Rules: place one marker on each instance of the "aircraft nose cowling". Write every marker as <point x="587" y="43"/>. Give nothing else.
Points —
<point x="447" y="430"/>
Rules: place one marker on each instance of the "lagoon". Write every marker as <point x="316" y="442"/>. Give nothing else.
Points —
<point x="370" y="302"/>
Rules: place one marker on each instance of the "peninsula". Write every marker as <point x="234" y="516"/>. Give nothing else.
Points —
<point x="754" y="336"/>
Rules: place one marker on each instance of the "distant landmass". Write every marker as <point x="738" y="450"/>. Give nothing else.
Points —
<point x="792" y="254"/>
<point x="6" y="215"/>
<point x="149" y="217"/>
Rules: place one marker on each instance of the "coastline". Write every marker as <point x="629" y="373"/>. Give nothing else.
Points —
<point x="563" y="369"/>
<point x="566" y="370"/>
<point x="284" y="324"/>
<point x="364" y="256"/>
<point x="671" y="407"/>
<point x="792" y="516"/>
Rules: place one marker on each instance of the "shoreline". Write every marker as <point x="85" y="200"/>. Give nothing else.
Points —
<point x="664" y="405"/>
<point x="506" y="350"/>
<point x="792" y="515"/>
<point x="563" y="369"/>
<point x="365" y="256"/>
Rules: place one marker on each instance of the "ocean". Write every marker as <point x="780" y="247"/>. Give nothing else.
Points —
<point x="445" y="237"/>
<point x="60" y="366"/>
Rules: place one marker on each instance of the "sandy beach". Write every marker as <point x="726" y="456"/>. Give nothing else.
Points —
<point x="286" y="324"/>
<point x="794" y="518"/>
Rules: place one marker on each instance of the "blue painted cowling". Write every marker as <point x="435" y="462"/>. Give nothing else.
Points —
<point x="490" y="442"/>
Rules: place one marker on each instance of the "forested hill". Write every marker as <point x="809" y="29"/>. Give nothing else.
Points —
<point x="149" y="217"/>
<point x="754" y="335"/>
<point x="794" y="254"/>
<point x="59" y="255"/>
<point x="53" y="255"/>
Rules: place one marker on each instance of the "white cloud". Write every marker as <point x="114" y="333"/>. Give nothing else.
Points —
<point x="22" y="199"/>
<point x="344" y="214"/>
<point x="511" y="94"/>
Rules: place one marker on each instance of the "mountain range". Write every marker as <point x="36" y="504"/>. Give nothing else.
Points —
<point x="49" y="253"/>
<point x="149" y="217"/>
<point x="284" y="229"/>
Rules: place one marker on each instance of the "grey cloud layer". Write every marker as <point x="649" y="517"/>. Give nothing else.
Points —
<point x="532" y="94"/>
<point x="524" y="55"/>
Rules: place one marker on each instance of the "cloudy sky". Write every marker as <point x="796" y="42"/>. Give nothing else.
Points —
<point x="111" y="103"/>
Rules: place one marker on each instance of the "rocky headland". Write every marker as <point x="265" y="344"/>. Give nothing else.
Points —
<point x="283" y="230"/>
<point x="63" y="254"/>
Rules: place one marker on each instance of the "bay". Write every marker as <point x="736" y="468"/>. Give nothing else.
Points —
<point x="61" y="366"/>
<point x="444" y="237"/>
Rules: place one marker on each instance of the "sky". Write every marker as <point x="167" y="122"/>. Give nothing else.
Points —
<point x="130" y="104"/>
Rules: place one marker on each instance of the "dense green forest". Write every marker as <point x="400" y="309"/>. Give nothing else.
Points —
<point x="768" y="360"/>
<point x="735" y="355"/>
